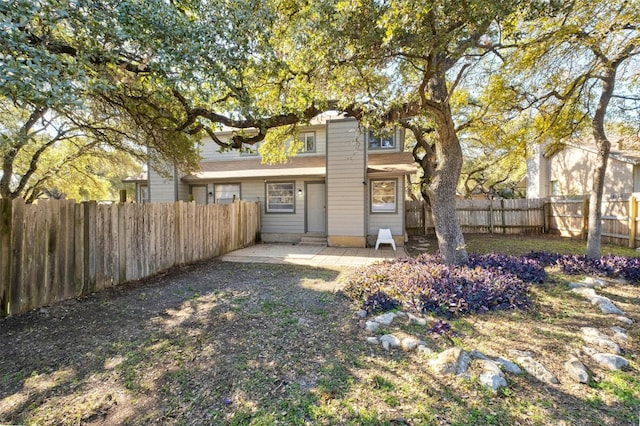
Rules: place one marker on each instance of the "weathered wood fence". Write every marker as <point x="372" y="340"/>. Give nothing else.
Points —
<point x="482" y="216"/>
<point x="55" y="250"/>
<point x="566" y="217"/>
<point x="619" y="219"/>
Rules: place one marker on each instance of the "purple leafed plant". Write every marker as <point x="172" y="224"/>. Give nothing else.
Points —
<point x="424" y="285"/>
<point x="609" y="266"/>
<point x="487" y="283"/>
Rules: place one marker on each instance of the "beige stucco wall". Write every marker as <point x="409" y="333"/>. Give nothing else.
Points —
<point x="573" y="169"/>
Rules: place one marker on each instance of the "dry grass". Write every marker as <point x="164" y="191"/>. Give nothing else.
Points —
<point x="219" y="343"/>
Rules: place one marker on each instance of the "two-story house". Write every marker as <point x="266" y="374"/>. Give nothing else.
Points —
<point x="567" y="170"/>
<point x="344" y="184"/>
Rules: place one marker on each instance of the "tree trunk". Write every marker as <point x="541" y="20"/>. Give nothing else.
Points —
<point x="603" y="147"/>
<point x="442" y="195"/>
<point x="441" y="188"/>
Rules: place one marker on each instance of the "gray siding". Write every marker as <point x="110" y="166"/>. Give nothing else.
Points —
<point x="211" y="151"/>
<point x="285" y="223"/>
<point x="346" y="172"/>
<point x="161" y="190"/>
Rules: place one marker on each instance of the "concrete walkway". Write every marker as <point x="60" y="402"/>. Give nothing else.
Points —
<point x="319" y="256"/>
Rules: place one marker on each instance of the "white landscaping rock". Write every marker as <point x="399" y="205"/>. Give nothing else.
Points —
<point x="476" y="354"/>
<point x="362" y="313"/>
<point x="416" y="319"/>
<point x="409" y="343"/>
<point x="610" y="361"/>
<point x="593" y="336"/>
<point x="493" y="381"/>
<point x="371" y="326"/>
<point x="620" y="334"/>
<point x="517" y="353"/>
<point x="424" y="349"/>
<point x="606" y="305"/>
<point x="491" y="376"/>
<point x="537" y="370"/>
<point x="453" y="361"/>
<point x="385" y="319"/>
<point x="624" y="320"/>
<point x="373" y="340"/>
<point x="594" y="282"/>
<point x="508" y="366"/>
<point x="389" y="341"/>
<point x="576" y="370"/>
<point x="588" y="293"/>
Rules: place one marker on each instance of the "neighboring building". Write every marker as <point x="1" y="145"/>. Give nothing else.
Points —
<point x="567" y="170"/>
<point x="141" y="186"/>
<point x="344" y="185"/>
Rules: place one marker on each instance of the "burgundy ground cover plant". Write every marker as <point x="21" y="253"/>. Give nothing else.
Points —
<point x="488" y="282"/>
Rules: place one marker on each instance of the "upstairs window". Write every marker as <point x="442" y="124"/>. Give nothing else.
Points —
<point x="280" y="197"/>
<point x="382" y="139"/>
<point x="309" y="141"/>
<point x="250" y="150"/>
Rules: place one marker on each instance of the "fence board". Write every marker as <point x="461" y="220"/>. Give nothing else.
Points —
<point x="56" y="250"/>
<point x="482" y="216"/>
<point x="5" y="254"/>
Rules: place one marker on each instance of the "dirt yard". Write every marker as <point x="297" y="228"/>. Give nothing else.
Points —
<point x="227" y="343"/>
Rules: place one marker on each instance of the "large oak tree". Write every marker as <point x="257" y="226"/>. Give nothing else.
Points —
<point x="176" y="70"/>
<point x="565" y="65"/>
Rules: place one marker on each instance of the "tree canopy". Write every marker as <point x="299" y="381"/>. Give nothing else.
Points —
<point x="151" y="78"/>
<point x="565" y="65"/>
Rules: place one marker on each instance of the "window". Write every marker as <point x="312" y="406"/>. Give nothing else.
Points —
<point x="555" y="187"/>
<point x="280" y="197"/>
<point x="250" y="150"/>
<point x="381" y="139"/>
<point x="383" y="196"/>
<point x="309" y="141"/>
<point x="226" y="193"/>
<point x="143" y="196"/>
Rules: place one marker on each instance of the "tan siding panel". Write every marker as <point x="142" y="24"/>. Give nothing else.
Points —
<point x="345" y="174"/>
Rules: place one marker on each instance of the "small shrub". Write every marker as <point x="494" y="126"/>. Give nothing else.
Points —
<point x="609" y="266"/>
<point x="379" y="302"/>
<point x="442" y="328"/>
<point x="527" y="269"/>
<point x="423" y="285"/>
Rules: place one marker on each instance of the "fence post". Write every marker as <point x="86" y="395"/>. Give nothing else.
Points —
<point x="585" y="217"/>
<point x="546" y="217"/>
<point x="89" y="209"/>
<point x="5" y="255"/>
<point x="491" y="216"/>
<point x="633" y="213"/>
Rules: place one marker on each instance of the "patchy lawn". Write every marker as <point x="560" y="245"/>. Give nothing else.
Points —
<point x="227" y="343"/>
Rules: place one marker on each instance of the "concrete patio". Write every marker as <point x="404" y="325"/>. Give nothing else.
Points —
<point x="318" y="256"/>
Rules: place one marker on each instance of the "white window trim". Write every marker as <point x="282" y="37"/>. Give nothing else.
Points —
<point x="215" y="191"/>
<point x="378" y="210"/>
<point x="290" y="210"/>
<point x="371" y="137"/>
<point x="303" y="137"/>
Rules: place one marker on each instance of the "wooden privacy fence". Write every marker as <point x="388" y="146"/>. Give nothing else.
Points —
<point x="619" y="219"/>
<point x="55" y="250"/>
<point x="482" y="216"/>
<point x="566" y="217"/>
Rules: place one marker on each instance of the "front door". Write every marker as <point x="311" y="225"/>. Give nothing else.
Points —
<point x="316" y="208"/>
<point x="199" y="193"/>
